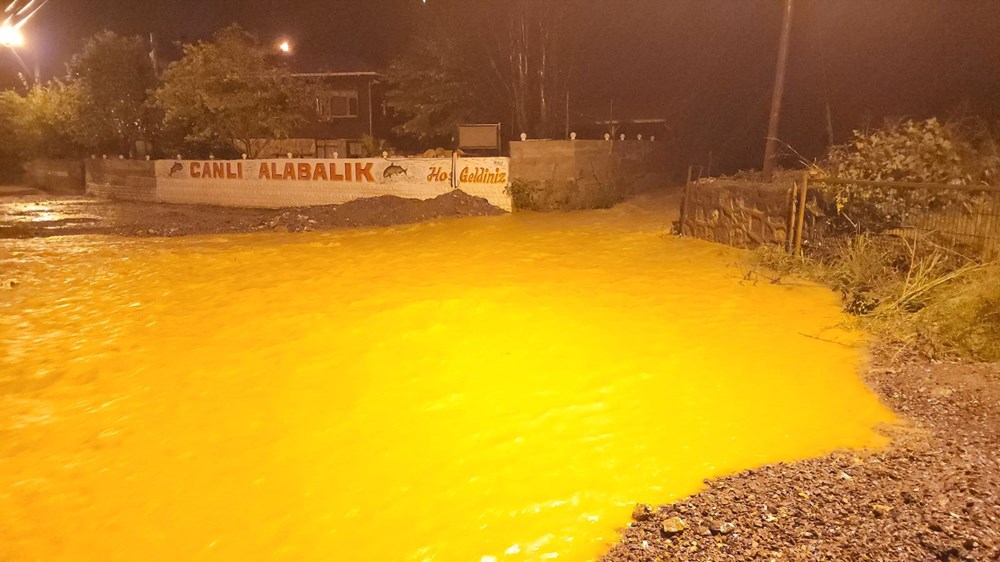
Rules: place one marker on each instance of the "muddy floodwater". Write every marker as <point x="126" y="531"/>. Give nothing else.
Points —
<point x="486" y="389"/>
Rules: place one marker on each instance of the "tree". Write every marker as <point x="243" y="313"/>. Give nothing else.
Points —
<point x="226" y="93"/>
<point x="430" y="94"/>
<point x="115" y="77"/>
<point x="495" y="60"/>
<point x="42" y="123"/>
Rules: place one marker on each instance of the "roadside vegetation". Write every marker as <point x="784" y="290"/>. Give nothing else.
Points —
<point x="215" y="98"/>
<point x="909" y="288"/>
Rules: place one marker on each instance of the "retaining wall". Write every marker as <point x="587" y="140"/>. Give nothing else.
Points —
<point x="580" y="160"/>
<point x="56" y="176"/>
<point x="297" y="182"/>
<point x="568" y="174"/>
<point x="133" y="180"/>
<point x="745" y="215"/>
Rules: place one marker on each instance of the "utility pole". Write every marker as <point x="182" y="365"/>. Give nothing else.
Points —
<point x="567" y="113"/>
<point x="779" y="91"/>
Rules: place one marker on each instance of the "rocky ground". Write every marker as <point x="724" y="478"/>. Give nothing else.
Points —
<point x="26" y="213"/>
<point x="934" y="494"/>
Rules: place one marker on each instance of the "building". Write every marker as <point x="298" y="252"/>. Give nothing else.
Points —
<point x="348" y="106"/>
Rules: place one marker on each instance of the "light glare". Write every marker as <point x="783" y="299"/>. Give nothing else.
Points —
<point x="11" y="36"/>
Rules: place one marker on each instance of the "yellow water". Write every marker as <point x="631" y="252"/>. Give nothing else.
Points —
<point x="484" y="389"/>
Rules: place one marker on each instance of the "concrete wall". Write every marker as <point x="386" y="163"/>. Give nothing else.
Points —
<point x="580" y="160"/>
<point x="577" y="174"/>
<point x="745" y="215"/>
<point x="133" y="180"/>
<point x="297" y="182"/>
<point x="56" y="176"/>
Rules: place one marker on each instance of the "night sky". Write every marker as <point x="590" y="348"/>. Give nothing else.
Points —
<point x="705" y="65"/>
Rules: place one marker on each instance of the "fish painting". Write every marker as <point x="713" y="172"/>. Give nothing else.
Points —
<point x="394" y="170"/>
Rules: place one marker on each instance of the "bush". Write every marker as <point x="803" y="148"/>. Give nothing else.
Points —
<point x="906" y="151"/>
<point x="565" y="196"/>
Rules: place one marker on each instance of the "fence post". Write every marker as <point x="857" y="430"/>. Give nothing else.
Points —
<point x="801" y="214"/>
<point x="792" y="206"/>
<point x="684" y="202"/>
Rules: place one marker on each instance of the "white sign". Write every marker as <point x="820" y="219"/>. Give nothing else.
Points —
<point x="302" y="182"/>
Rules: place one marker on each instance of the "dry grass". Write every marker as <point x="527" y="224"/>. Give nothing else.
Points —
<point x="914" y="296"/>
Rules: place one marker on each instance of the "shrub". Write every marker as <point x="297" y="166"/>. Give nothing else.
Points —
<point x="925" y="151"/>
<point x="566" y="196"/>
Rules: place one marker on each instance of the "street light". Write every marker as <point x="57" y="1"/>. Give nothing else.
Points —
<point x="285" y="47"/>
<point x="11" y="36"/>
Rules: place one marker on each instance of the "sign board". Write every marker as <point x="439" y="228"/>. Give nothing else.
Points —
<point x="479" y="137"/>
<point x="302" y="182"/>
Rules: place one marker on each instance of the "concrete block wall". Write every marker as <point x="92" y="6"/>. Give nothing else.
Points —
<point x="56" y="176"/>
<point x="577" y="174"/>
<point x="133" y="180"/>
<point x="580" y="160"/>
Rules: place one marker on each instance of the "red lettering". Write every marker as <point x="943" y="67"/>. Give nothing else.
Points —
<point x="333" y="173"/>
<point x="289" y="172"/>
<point x="319" y="173"/>
<point x="274" y="171"/>
<point x="365" y="171"/>
<point x="230" y="174"/>
<point x="195" y="170"/>
<point x="218" y="170"/>
<point x="264" y="174"/>
<point x="305" y="171"/>
<point x="347" y="171"/>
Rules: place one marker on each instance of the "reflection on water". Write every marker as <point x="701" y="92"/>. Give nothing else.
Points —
<point x="483" y="389"/>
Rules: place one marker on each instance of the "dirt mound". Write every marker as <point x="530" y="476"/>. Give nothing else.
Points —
<point x="34" y="215"/>
<point x="388" y="210"/>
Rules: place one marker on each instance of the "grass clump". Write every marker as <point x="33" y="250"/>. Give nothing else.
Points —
<point x="912" y="294"/>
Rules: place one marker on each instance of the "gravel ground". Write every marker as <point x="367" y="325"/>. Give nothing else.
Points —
<point x="934" y="494"/>
<point x="29" y="215"/>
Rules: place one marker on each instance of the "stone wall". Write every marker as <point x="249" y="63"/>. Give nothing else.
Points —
<point x="741" y="214"/>
<point x="56" y="176"/>
<point x="134" y="180"/>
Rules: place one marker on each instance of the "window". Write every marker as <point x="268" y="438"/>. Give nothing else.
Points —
<point x="337" y="104"/>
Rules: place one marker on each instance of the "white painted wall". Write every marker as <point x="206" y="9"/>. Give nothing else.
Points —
<point x="302" y="182"/>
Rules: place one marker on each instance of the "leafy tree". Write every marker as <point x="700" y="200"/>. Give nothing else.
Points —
<point x="114" y="76"/>
<point x="39" y="124"/>
<point x="429" y="92"/>
<point x="228" y="92"/>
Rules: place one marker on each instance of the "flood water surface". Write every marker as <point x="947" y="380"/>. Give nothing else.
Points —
<point x="491" y="389"/>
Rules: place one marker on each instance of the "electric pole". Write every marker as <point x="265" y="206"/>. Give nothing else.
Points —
<point x="779" y="91"/>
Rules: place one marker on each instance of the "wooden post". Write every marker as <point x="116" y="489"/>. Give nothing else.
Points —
<point x="802" y="214"/>
<point x="684" y="202"/>
<point x="792" y="200"/>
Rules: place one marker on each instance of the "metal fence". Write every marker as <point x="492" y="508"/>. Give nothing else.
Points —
<point x="964" y="219"/>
